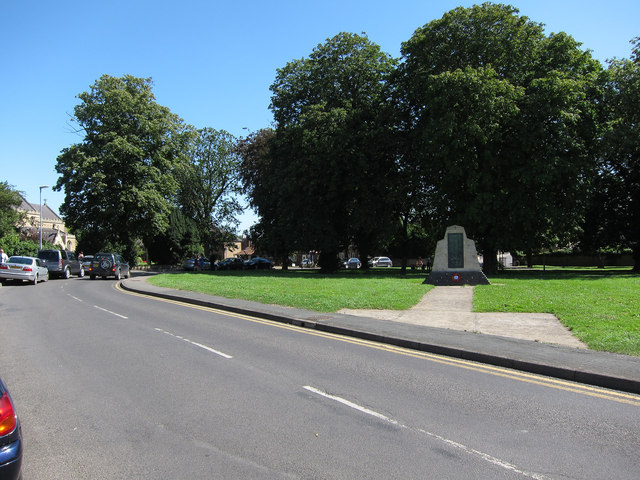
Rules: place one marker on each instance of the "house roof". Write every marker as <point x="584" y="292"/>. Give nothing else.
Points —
<point x="247" y="251"/>
<point x="33" y="208"/>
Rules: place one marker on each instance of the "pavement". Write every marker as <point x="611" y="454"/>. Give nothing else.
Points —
<point x="443" y="323"/>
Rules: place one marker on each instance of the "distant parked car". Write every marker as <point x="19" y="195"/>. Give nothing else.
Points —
<point x="10" y="438"/>
<point x="203" y="264"/>
<point x="381" y="262"/>
<point x="62" y="263"/>
<point x="258" y="263"/>
<point x="86" y="262"/>
<point x="29" y="269"/>
<point x="231" y="264"/>
<point x="353" y="263"/>
<point x="108" y="265"/>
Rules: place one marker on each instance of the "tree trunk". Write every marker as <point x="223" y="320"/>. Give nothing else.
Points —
<point x="405" y="236"/>
<point x="363" y="251"/>
<point x="636" y="259"/>
<point x="328" y="261"/>
<point x="489" y="260"/>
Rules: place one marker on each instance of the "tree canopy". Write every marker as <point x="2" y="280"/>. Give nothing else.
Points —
<point x="209" y="186"/>
<point x="498" y="118"/>
<point x="619" y="198"/>
<point x="331" y="154"/>
<point x="119" y="181"/>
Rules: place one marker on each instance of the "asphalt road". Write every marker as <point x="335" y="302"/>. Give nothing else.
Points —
<point x="111" y="385"/>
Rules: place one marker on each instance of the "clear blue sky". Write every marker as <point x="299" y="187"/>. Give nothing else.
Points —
<point x="212" y="62"/>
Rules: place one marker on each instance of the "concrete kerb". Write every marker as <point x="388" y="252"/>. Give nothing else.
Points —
<point x="339" y="324"/>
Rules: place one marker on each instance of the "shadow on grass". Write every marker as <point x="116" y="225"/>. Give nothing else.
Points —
<point x="566" y="274"/>
<point x="314" y="274"/>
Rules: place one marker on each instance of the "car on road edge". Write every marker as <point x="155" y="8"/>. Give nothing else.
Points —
<point x="23" y="268"/>
<point x="62" y="263"/>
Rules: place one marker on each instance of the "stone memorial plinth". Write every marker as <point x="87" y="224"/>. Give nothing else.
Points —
<point x="456" y="261"/>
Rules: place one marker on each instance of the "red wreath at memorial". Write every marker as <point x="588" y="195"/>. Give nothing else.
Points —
<point x="456" y="277"/>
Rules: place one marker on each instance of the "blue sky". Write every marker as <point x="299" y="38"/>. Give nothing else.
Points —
<point x="212" y="62"/>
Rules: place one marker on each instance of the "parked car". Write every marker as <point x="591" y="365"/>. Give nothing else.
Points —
<point x="258" y="263"/>
<point x="86" y="262"/>
<point x="353" y="263"/>
<point x="108" y="265"/>
<point x="30" y="269"/>
<point x="10" y="438"/>
<point x="203" y="264"/>
<point x="381" y="262"/>
<point x="62" y="263"/>
<point x="231" y="264"/>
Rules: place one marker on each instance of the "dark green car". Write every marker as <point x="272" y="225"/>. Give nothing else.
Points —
<point x="108" y="265"/>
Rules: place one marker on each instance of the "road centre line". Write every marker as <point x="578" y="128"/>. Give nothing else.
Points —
<point x="484" y="456"/>
<point x="558" y="384"/>
<point x="209" y="349"/>
<point x="112" y="313"/>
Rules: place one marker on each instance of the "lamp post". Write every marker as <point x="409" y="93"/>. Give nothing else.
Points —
<point x="41" y="187"/>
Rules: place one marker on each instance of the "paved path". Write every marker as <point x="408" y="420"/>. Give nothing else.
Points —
<point x="451" y="307"/>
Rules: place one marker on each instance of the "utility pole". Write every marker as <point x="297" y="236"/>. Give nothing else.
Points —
<point x="41" y="187"/>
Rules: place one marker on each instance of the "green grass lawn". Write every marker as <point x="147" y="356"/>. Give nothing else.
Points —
<point x="601" y="307"/>
<point x="307" y="289"/>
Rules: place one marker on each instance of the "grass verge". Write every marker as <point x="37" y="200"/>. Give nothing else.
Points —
<point x="601" y="308"/>
<point x="308" y="289"/>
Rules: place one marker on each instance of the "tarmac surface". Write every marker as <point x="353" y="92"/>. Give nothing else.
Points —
<point x="443" y="323"/>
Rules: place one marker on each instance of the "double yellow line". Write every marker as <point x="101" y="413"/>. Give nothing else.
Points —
<point x="567" y="386"/>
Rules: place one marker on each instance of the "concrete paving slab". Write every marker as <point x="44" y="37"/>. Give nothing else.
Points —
<point x="451" y="307"/>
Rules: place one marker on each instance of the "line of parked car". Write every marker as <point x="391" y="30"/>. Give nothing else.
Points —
<point x="62" y="264"/>
<point x="373" y="262"/>
<point x="235" y="263"/>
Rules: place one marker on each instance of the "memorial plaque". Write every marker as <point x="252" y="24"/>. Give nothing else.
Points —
<point x="455" y="247"/>
<point x="456" y="261"/>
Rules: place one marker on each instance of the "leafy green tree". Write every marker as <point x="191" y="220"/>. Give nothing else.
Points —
<point x="9" y="215"/>
<point x="120" y="182"/>
<point x="499" y="125"/>
<point x="332" y="152"/>
<point x="210" y="186"/>
<point x="181" y="240"/>
<point x="260" y="173"/>
<point x="620" y="173"/>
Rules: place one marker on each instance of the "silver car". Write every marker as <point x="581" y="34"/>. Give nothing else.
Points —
<point x="21" y="268"/>
<point x="382" y="262"/>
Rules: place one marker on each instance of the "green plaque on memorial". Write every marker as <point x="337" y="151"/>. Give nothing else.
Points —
<point x="456" y="250"/>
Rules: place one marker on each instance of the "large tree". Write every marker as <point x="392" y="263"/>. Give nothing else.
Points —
<point x="9" y="218"/>
<point x="9" y="202"/>
<point x="260" y="172"/>
<point x="210" y="186"/>
<point x="620" y="169"/>
<point x="119" y="180"/>
<point x="498" y="122"/>
<point x="331" y="153"/>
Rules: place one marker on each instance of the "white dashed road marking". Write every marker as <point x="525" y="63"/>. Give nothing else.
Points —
<point x="484" y="456"/>
<point x="208" y="349"/>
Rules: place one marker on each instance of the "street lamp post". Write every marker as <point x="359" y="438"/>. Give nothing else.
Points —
<point x="41" y="187"/>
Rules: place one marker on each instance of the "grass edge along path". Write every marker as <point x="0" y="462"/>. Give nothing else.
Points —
<point x="602" y="309"/>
